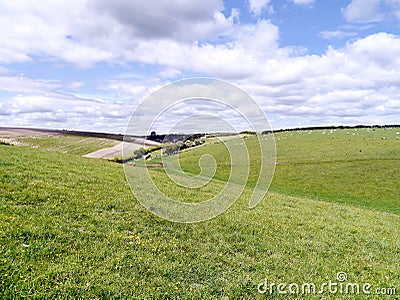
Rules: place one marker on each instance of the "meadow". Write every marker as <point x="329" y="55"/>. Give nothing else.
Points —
<point x="355" y="166"/>
<point x="71" y="228"/>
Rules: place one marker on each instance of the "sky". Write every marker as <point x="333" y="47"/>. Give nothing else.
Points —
<point x="88" y="64"/>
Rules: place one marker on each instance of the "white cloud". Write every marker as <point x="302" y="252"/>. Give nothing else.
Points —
<point x="72" y="31"/>
<point x="23" y="84"/>
<point x="29" y="30"/>
<point x="241" y="57"/>
<point x="303" y="2"/>
<point x="362" y="11"/>
<point x="126" y="89"/>
<point x="256" y="7"/>
<point x="39" y="102"/>
<point x="51" y="112"/>
<point x="354" y="84"/>
<point x="131" y="31"/>
<point x="357" y="83"/>
<point x="380" y="51"/>
<point x="351" y="85"/>
<point x="336" y="34"/>
<point x="169" y="73"/>
<point x="179" y="20"/>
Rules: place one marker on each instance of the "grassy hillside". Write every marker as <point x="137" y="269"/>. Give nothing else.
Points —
<point x="358" y="167"/>
<point x="70" y="228"/>
<point x="69" y="143"/>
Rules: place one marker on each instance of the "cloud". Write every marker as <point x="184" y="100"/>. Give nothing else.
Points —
<point x="365" y="11"/>
<point x="256" y="7"/>
<point x="178" y="20"/>
<point x="72" y="32"/>
<point x="178" y="35"/>
<point x="379" y="52"/>
<point x="362" y="11"/>
<point x="336" y="34"/>
<point x="25" y="101"/>
<point x="351" y="85"/>
<point x="29" y="31"/>
<point x="78" y="114"/>
<point x="169" y="73"/>
<point x="239" y="58"/>
<point x="125" y="89"/>
<point x="356" y="83"/>
<point x="303" y="2"/>
<point x="24" y="85"/>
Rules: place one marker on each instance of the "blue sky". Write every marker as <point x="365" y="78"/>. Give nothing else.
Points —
<point x="87" y="64"/>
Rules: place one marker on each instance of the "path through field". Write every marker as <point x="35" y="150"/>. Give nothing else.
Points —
<point x="116" y="151"/>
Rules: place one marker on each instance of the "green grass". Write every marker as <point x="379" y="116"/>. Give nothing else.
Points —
<point x="347" y="166"/>
<point x="69" y="143"/>
<point x="70" y="228"/>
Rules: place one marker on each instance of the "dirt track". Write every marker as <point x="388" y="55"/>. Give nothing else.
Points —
<point x="116" y="151"/>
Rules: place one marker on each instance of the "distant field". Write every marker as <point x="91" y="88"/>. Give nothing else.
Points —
<point x="74" y="143"/>
<point x="55" y="140"/>
<point x="357" y="167"/>
<point x="68" y="143"/>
